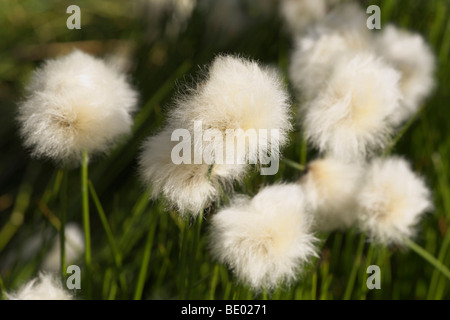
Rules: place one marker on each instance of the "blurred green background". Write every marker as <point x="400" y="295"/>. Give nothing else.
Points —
<point x="160" y="53"/>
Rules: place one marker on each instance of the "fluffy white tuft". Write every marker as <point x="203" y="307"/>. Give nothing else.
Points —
<point x="350" y="118"/>
<point x="43" y="287"/>
<point x="265" y="240"/>
<point x="330" y="188"/>
<point x="74" y="248"/>
<point x="238" y="94"/>
<point x="341" y="32"/>
<point x="299" y="14"/>
<point x="75" y="103"/>
<point x="392" y="201"/>
<point x="411" y="56"/>
<point x="314" y="58"/>
<point x="185" y="186"/>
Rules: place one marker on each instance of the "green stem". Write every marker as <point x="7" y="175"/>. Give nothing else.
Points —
<point x="293" y="164"/>
<point x="194" y="251"/>
<point x="314" y="286"/>
<point x="86" y="223"/>
<point x="401" y="132"/>
<point x="183" y="274"/>
<point x="304" y="152"/>
<point x="428" y="257"/>
<point x="214" y="282"/>
<point x="62" y="228"/>
<point x="445" y="192"/>
<point x="109" y="235"/>
<point x="106" y="282"/>
<point x="2" y="290"/>
<point x="354" y="272"/>
<point x="210" y="169"/>
<point x="145" y="261"/>
<point x="112" y="291"/>
<point x="369" y="256"/>
<point x="21" y="205"/>
<point x="436" y="274"/>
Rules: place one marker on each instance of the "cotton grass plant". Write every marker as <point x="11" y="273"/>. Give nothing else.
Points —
<point x="392" y="201"/>
<point x="215" y="230"/>
<point x="266" y="242"/>
<point x="411" y="56"/>
<point x="350" y="117"/>
<point x="330" y="186"/>
<point x="352" y="120"/>
<point x="76" y="106"/>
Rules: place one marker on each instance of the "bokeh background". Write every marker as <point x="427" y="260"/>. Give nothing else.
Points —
<point x="161" y="49"/>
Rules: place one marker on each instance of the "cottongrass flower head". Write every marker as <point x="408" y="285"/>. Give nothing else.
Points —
<point x="238" y="94"/>
<point x="189" y="188"/>
<point x="342" y="31"/>
<point x="314" y="59"/>
<point x="412" y="57"/>
<point x="330" y="188"/>
<point x="392" y="201"/>
<point x="74" y="248"/>
<point x="350" y="118"/>
<point x="265" y="241"/>
<point x="43" y="287"/>
<point x="75" y="103"/>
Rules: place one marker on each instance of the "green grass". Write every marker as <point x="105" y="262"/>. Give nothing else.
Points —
<point x="141" y="250"/>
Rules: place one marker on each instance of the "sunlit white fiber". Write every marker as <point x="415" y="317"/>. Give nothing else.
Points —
<point x="265" y="240"/>
<point x="238" y="94"/>
<point x="392" y="201"/>
<point x="43" y="287"/>
<point x="331" y="188"/>
<point x="412" y="57"/>
<point x="350" y="118"/>
<point x="75" y="103"/>
<point x="185" y="186"/>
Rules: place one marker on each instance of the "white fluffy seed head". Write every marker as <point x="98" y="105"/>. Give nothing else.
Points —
<point x="43" y="287"/>
<point x="185" y="186"/>
<point x="188" y="188"/>
<point x="392" y="201"/>
<point x="299" y="14"/>
<point x="330" y="188"/>
<point x="412" y="57"/>
<point x="342" y="31"/>
<point x="75" y="103"/>
<point x="74" y="248"/>
<point x="238" y="94"/>
<point x="314" y="58"/>
<point x="350" y="118"/>
<point x="265" y="241"/>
